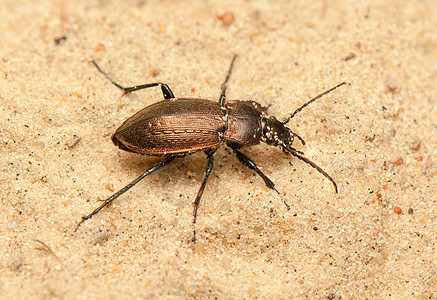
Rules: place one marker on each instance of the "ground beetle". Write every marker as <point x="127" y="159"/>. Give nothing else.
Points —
<point x="181" y="126"/>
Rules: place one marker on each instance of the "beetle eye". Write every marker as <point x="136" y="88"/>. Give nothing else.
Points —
<point x="290" y="138"/>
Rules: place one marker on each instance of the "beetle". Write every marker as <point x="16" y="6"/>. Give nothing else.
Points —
<point x="177" y="127"/>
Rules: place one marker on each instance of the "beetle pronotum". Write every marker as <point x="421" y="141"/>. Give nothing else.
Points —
<point x="181" y="126"/>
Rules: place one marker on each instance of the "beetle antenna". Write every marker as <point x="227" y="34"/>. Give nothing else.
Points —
<point x="311" y="101"/>
<point x="312" y="164"/>
<point x="300" y="139"/>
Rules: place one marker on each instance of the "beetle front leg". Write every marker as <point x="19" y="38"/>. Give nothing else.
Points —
<point x="245" y="160"/>
<point x="166" y="91"/>
<point x="125" y="189"/>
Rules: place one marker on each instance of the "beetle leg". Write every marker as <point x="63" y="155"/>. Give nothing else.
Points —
<point x="245" y="160"/>
<point x="125" y="189"/>
<point x="166" y="91"/>
<point x="222" y="99"/>
<point x="208" y="170"/>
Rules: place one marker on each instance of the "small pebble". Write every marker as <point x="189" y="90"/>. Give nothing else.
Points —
<point x="350" y="56"/>
<point x="397" y="210"/>
<point x="227" y="18"/>
<point x="392" y="83"/>
<point x="73" y="141"/>
<point x="100" y="238"/>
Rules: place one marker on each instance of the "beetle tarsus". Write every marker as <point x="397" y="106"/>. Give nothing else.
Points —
<point x="248" y="162"/>
<point x="106" y="75"/>
<point x="166" y="91"/>
<point x="245" y="160"/>
<point x="126" y="188"/>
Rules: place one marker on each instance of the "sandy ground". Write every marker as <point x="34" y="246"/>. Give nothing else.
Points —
<point x="376" y="136"/>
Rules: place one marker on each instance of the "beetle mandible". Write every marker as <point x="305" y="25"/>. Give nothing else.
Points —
<point x="182" y="126"/>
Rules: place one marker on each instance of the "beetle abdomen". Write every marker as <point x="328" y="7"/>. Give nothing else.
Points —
<point x="172" y="127"/>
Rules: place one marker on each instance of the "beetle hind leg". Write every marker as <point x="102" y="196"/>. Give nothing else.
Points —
<point x="166" y="91"/>
<point x="125" y="189"/>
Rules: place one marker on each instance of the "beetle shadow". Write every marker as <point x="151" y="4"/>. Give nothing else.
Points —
<point x="180" y="169"/>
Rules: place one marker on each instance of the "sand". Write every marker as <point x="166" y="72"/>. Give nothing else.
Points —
<point x="376" y="136"/>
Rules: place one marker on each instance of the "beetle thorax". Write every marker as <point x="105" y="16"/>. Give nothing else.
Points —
<point x="275" y="133"/>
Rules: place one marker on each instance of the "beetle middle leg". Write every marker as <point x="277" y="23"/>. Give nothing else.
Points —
<point x="126" y="188"/>
<point x="208" y="169"/>
<point x="222" y="99"/>
<point x="166" y="91"/>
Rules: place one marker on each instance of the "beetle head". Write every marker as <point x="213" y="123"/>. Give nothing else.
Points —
<point x="275" y="133"/>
